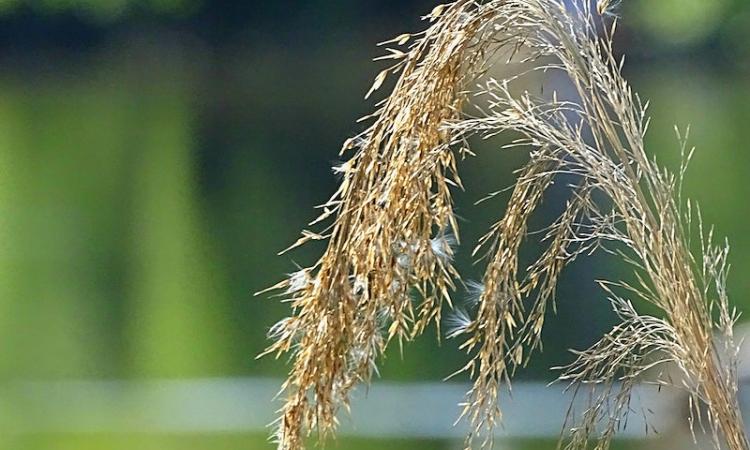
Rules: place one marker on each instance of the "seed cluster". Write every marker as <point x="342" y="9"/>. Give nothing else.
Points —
<point x="392" y="233"/>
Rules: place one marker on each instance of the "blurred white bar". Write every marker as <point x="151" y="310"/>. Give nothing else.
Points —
<point x="409" y="410"/>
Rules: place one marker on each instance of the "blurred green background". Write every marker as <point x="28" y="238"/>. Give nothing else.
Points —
<point x="156" y="154"/>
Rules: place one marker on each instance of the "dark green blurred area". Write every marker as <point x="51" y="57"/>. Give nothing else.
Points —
<point x="156" y="154"/>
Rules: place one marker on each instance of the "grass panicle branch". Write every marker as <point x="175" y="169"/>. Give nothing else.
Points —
<point x="391" y="232"/>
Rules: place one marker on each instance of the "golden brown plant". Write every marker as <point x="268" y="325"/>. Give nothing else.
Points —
<point x="388" y="264"/>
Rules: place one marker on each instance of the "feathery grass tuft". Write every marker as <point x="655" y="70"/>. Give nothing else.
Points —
<point x="392" y="232"/>
<point x="391" y="228"/>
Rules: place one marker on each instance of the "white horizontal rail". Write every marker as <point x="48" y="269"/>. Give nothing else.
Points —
<point x="408" y="410"/>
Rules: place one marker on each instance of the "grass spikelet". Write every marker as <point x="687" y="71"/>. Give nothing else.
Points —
<point x="391" y="228"/>
<point x="391" y="232"/>
<point x="598" y="140"/>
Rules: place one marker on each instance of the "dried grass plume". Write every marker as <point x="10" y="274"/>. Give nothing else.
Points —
<point x="391" y="231"/>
